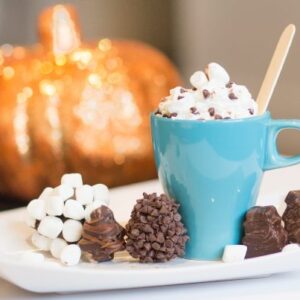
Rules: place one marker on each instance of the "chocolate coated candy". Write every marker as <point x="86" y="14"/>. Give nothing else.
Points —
<point x="291" y="216"/>
<point x="102" y="236"/>
<point x="264" y="233"/>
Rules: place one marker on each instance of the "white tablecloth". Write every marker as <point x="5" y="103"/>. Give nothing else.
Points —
<point x="281" y="286"/>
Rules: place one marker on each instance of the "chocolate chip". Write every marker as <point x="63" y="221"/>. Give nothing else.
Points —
<point x="206" y="93"/>
<point x="251" y="111"/>
<point x="173" y="115"/>
<point x="232" y="96"/>
<point x="182" y="90"/>
<point x="194" y="89"/>
<point x="166" y="116"/>
<point x="211" y="111"/>
<point x="157" y="112"/>
<point x="180" y="97"/>
<point x="218" y="117"/>
<point x="194" y="110"/>
<point x="229" y="84"/>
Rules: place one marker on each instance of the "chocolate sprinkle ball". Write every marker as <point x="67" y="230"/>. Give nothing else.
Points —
<point x="102" y="236"/>
<point x="154" y="231"/>
<point x="291" y="216"/>
<point x="264" y="233"/>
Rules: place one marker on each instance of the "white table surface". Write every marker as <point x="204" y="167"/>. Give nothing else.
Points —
<point x="281" y="286"/>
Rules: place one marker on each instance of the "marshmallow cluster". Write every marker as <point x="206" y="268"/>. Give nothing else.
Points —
<point x="58" y="214"/>
<point x="212" y="97"/>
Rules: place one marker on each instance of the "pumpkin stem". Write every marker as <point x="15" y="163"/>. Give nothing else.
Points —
<point x="59" y="29"/>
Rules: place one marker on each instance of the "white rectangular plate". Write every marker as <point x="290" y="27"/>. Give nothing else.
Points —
<point x="122" y="272"/>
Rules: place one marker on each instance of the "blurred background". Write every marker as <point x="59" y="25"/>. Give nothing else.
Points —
<point x="240" y="35"/>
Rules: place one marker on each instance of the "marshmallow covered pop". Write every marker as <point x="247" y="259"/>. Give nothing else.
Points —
<point x="58" y="214"/>
<point x="212" y="97"/>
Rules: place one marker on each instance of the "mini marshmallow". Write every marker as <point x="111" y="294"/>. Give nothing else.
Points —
<point x="72" y="231"/>
<point x="54" y="205"/>
<point x="40" y="242"/>
<point x="73" y="210"/>
<point x="64" y="191"/>
<point x="73" y="180"/>
<point x="32" y="257"/>
<point x="30" y="221"/>
<point x="101" y="193"/>
<point x="291" y="248"/>
<point x="84" y="194"/>
<point x="36" y="209"/>
<point x="57" y="246"/>
<point x="50" y="227"/>
<point x="198" y="79"/>
<point x="234" y="253"/>
<point x="215" y="72"/>
<point x="46" y="192"/>
<point x="91" y="207"/>
<point x="70" y="255"/>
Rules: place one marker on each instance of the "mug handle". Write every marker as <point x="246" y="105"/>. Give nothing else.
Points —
<point x="274" y="159"/>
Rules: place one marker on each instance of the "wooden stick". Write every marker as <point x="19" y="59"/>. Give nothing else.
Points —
<point x="275" y="67"/>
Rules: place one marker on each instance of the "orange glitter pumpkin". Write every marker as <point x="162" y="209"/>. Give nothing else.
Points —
<point x="69" y="106"/>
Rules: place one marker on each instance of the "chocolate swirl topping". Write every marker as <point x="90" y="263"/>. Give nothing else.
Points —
<point x="102" y="236"/>
<point x="291" y="216"/>
<point x="264" y="233"/>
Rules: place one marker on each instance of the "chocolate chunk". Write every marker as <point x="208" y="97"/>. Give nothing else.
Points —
<point x="291" y="216"/>
<point x="206" y="93"/>
<point x="211" y="111"/>
<point x="229" y="84"/>
<point x="251" y="111"/>
<point x="218" y="117"/>
<point x="194" y="110"/>
<point x="264" y="233"/>
<point x="182" y="90"/>
<point x="166" y="116"/>
<point x="194" y="89"/>
<point x="163" y="237"/>
<point x="232" y="96"/>
<point x="180" y="97"/>
<point x="157" y="112"/>
<point x="102" y="236"/>
<point x="173" y="115"/>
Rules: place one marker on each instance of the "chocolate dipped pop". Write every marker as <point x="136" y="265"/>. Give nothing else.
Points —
<point x="102" y="236"/>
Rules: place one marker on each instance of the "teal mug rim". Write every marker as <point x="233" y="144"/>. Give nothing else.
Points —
<point x="265" y="115"/>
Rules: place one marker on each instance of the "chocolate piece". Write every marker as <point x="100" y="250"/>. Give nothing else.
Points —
<point x="194" y="110"/>
<point x="173" y="115"/>
<point x="166" y="116"/>
<point x="251" y="111"/>
<point x="206" y="93"/>
<point x="291" y="216"/>
<point x="211" y="111"/>
<point x="218" y="117"/>
<point x="229" y="84"/>
<point x="232" y="96"/>
<point x="157" y="112"/>
<point x="102" y="236"/>
<point x="194" y="89"/>
<point x="264" y="233"/>
<point x="180" y="97"/>
<point x="154" y="231"/>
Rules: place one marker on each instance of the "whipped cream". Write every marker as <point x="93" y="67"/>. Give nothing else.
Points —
<point x="212" y="97"/>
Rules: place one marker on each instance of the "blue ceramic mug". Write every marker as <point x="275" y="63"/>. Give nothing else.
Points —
<point x="214" y="170"/>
